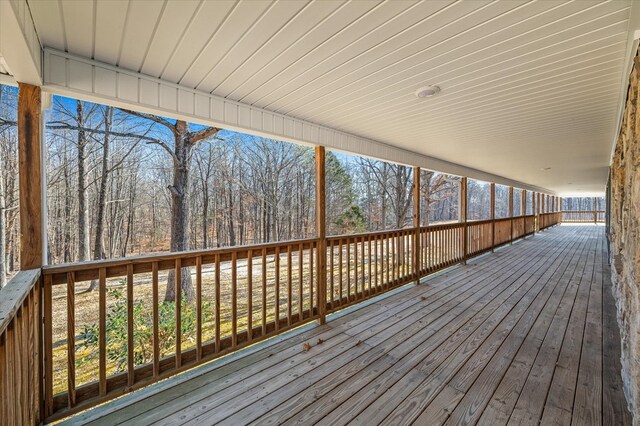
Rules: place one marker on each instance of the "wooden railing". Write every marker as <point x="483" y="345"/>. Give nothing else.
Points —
<point x="549" y="219"/>
<point x="123" y="336"/>
<point x="95" y="345"/>
<point x="583" y="216"/>
<point x="20" y="350"/>
<point x="360" y="266"/>
<point x="439" y="247"/>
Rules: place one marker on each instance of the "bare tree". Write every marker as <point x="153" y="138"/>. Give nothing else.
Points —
<point x="181" y="152"/>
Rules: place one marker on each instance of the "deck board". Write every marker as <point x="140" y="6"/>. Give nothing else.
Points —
<point x="523" y="335"/>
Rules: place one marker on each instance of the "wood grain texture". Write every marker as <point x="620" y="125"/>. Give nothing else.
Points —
<point x="30" y="176"/>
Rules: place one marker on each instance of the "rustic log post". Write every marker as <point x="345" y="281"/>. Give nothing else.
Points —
<point x="416" y="224"/>
<point x="30" y="176"/>
<point x="511" y="214"/>
<point x="463" y="218"/>
<point x="493" y="215"/>
<point x="321" y="232"/>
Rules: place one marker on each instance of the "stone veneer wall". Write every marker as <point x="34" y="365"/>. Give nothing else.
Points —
<point x="625" y="240"/>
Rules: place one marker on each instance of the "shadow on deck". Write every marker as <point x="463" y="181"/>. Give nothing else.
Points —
<point x="525" y="335"/>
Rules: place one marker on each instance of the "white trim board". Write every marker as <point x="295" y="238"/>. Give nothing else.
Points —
<point x="90" y="80"/>
<point x="19" y="42"/>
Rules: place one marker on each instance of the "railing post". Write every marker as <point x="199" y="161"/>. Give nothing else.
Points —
<point x="511" y="214"/>
<point x="595" y="210"/>
<point x="493" y="216"/>
<point x="321" y="232"/>
<point x="533" y="211"/>
<point x="463" y="217"/>
<point x="32" y="229"/>
<point x="415" y="249"/>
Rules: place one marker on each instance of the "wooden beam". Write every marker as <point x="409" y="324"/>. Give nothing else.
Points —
<point x="321" y="232"/>
<point x="30" y="176"/>
<point x="463" y="217"/>
<point x="416" y="223"/>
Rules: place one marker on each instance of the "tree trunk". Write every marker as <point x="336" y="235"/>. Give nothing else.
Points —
<point x="83" y="209"/>
<point x="98" y="249"/>
<point x="180" y="210"/>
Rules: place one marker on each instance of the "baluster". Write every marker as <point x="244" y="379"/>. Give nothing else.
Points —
<point x="249" y="295"/>
<point x="331" y="276"/>
<point x="264" y="291"/>
<point x="102" y="342"/>
<point x="355" y="267"/>
<point x="369" y="258"/>
<point x="198" y="308"/>
<point x="130" y="348"/>
<point x="71" y="339"/>
<point x="289" y="286"/>
<point x="311" y="257"/>
<point x="156" y="321"/>
<point x="340" y="268"/>
<point x="234" y="299"/>
<point x="348" y="261"/>
<point x="277" y="277"/>
<point x="300" y="283"/>
<point x="178" y="304"/>
<point x="217" y="297"/>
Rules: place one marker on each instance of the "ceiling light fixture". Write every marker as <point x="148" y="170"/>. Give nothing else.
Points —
<point x="427" y="91"/>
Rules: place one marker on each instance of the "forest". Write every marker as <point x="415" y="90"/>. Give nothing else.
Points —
<point x="123" y="183"/>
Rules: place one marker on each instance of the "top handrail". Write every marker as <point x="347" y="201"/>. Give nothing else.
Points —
<point x="14" y="293"/>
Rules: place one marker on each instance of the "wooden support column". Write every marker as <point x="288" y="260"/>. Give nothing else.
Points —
<point x="30" y="176"/>
<point x="415" y="251"/>
<point x="538" y="211"/>
<point x="533" y="211"/>
<point x="511" y="213"/>
<point x="493" y="215"/>
<point x="321" y="232"/>
<point x="463" y="217"/>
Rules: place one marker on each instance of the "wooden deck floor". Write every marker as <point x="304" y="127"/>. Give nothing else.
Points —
<point x="522" y="336"/>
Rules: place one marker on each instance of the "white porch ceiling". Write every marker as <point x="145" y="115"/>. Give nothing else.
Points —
<point x="525" y="85"/>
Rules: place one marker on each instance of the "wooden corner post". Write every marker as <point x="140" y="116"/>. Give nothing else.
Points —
<point x="321" y="232"/>
<point x="415" y="251"/>
<point x="463" y="218"/>
<point x="511" y="214"/>
<point x="30" y="176"/>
